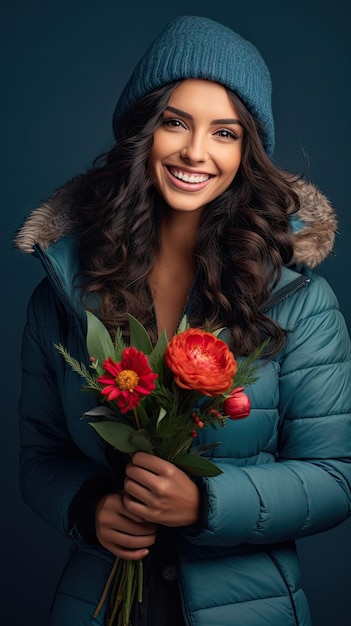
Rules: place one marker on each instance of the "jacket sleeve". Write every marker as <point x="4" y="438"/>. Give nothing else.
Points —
<point x="308" y="489"/>
<point x="53" y="469"/>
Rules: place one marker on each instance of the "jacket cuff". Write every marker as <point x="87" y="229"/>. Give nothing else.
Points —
<point x="81" y="517"/>
<point x="203" y="509"/>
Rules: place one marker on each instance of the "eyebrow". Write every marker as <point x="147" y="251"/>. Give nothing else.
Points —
<point x="190" y="117"/>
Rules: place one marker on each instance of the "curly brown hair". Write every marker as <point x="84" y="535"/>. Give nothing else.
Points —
<point x="243" y="239"/>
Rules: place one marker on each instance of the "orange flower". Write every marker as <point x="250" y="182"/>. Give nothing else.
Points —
<point x="201" y="361"/>
<point x="237" y="406"/>
<point x="128" y="381"/>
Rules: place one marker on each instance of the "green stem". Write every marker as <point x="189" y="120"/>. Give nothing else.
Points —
<point x="116" y="602"/>
<point x="136" y="417"/>
<point x="140" y="580"/>
<point x="130" y="569"/>
<point x="106" y="589"/>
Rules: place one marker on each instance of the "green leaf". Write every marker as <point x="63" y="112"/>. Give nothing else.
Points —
<point x="139" y="337"/>
<point x="120" y="436"/>
<point x="78" y="367"/>
<point x="100" y="411"/>
<point x="247" y="372"/>
<point x="141" y="440"/>
<point x="196" y="465"/>
<point x="119" y="345"/>
<point x="203" y="448"/>
<point x="144" y="419"/>
<point x="161" y="415"/>
<point x="165" y="429"/>
<point x="157" y="354"/>
<point x="99" y="342"/>
<point x="223" y="333"/>
<point x="217" y="332"/>
<point x="183" y="325"/>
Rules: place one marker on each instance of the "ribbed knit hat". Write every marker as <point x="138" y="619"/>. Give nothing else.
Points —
<point x="198" y="47"/>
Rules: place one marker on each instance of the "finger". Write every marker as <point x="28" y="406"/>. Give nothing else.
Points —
<point x="130" y="542"/>
<point x="128" y="555"/>
<point x="148" y="478"/>
<point x="138" y="491"/>
<point x="140" y="508"/>
<point x="124" y="524"/>
<point x="111" y="512"/>
<point x="146" y="486"/>
<point x="111" y="508"/>
<point x="124" y="545"/>
<point x="139" y="522"/>
<point x="151" y="463"/>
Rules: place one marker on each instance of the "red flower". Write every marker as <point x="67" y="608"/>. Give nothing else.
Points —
<point x="237" y="406"/>
<point x="128" y="381"/>
<point x="201" y="361"/>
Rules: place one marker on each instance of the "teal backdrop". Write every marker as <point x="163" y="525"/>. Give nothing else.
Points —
<point x="65" y="65"/>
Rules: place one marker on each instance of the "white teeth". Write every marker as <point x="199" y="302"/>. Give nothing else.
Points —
<point x="189" y="178"/>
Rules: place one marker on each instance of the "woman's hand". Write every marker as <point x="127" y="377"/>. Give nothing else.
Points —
<point x="159" y="492"/>
<point x="121" y="532"/>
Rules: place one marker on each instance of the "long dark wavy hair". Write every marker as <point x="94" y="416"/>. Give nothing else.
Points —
<point x="242" y="243"/>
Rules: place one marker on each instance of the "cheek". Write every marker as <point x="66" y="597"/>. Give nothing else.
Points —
<point x="154" y="161"/>
<point x="165" y="144"/>
<point x="156" y="155"/>
<point x="232" y="165"/>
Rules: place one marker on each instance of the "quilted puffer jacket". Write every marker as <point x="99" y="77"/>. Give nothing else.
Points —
<point x="286" y="468"/>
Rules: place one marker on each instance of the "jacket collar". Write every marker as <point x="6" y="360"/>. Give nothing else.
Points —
<point x="314" y="226"/>
<point x="49" y="232"/>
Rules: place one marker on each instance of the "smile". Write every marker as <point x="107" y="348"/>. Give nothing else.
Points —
<point x="187" y="177"/>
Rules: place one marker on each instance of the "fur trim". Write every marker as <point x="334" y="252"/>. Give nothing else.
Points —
<point x="313" y="240"/>
<point x="52" y="220"/>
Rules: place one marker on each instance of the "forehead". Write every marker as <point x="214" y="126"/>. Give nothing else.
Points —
<point x="203" y="96"/>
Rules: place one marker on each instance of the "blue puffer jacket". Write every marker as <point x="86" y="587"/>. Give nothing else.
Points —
<point x="286" y="468"/>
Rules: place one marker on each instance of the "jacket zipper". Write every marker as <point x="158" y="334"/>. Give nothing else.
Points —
<point x="50" y="270"/>
<point x="286" y="292"/>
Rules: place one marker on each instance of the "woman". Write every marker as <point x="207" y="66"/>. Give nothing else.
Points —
<point x="188" y="214"/>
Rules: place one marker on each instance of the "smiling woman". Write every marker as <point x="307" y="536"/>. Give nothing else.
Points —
<point x="196" y="151"/>
<point x="188" y="214"/>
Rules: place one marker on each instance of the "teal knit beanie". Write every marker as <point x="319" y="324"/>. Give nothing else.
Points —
<point x="198" y="47"/>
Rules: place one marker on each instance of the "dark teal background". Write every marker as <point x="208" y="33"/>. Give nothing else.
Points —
<point x="65" y="65"/>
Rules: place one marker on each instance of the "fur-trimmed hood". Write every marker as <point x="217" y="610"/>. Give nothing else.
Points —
<point x="314" y="226"/>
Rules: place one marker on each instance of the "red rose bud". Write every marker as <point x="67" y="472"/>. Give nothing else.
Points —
<point x="237" y="406"/>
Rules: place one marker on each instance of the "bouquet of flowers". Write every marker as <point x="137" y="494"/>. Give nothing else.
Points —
<point x="156" y="399"/>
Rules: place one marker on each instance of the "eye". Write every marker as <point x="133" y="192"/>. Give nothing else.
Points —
<point x="172" y="122"/>
<point x="227" y="134"/>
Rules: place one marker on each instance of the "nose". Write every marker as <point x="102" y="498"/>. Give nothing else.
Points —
<point x="194" y="149"/>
